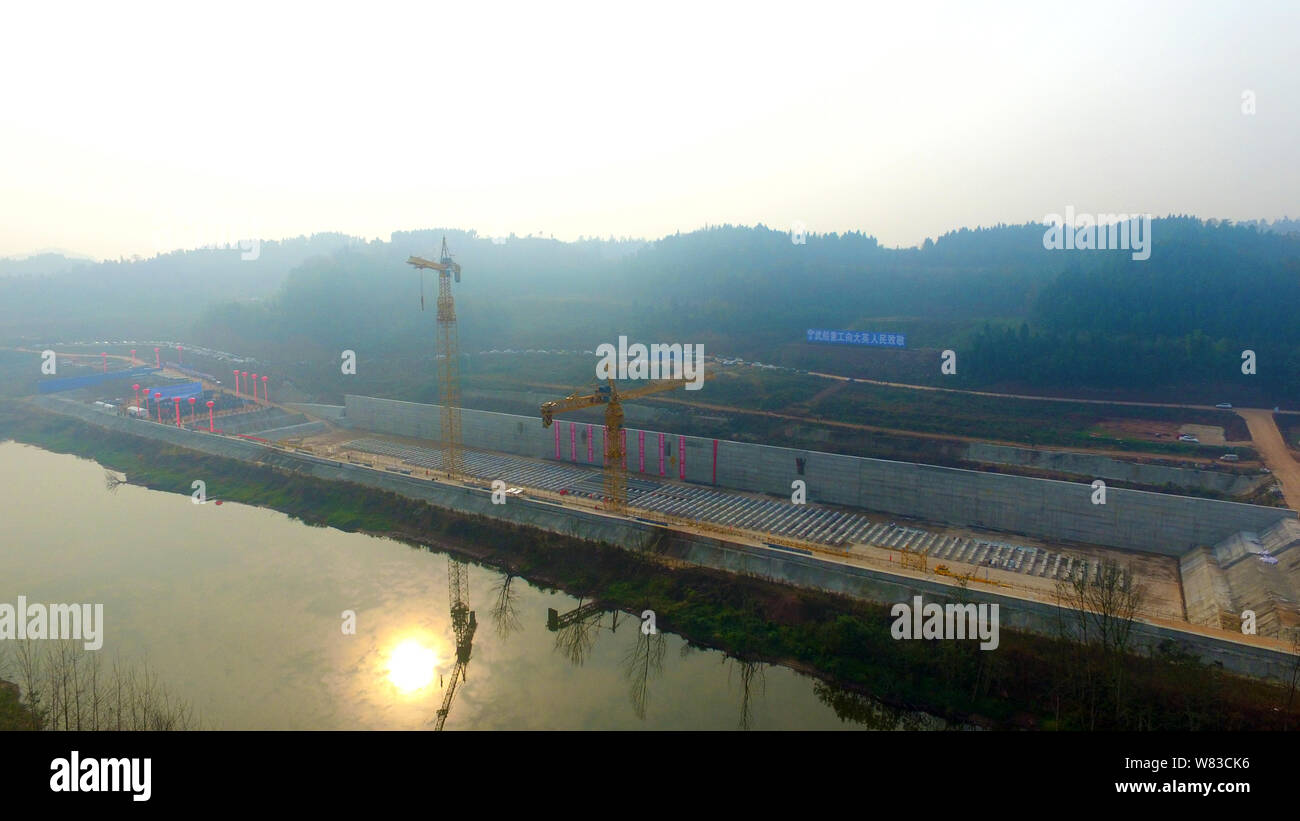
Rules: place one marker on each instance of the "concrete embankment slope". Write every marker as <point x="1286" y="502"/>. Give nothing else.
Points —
<point x="1045" y="509"/>
<point x="1094" y="466"/>
<point x="776" y="565"/>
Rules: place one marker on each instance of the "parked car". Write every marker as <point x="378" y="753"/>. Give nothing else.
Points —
<point x="1224" y="405"/>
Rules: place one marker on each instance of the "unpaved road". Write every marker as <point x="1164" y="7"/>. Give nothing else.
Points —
<point x="1123" y="455"/>
<point x="1273" y="450"/>
<point x="1032" y="397"/>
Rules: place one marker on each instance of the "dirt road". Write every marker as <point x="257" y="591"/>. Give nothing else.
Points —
<point x="1123" y="455"/>
<point x="1031" y="397"/>
<point x="1273" y="450"/>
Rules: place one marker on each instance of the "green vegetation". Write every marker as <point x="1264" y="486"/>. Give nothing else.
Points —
<point x="1027" y="682"/>
<point x="14" y="715"/>
<point x="1094" y="323"/>
<point x="1183" y="317"/>
<point x="1289" y="426"/>
<point x="19" y="373"/>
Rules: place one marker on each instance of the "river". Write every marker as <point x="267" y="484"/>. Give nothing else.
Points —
<point x="240" y="612"/>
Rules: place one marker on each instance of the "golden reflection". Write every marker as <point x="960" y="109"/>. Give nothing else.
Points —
<point x="411" y="666"/>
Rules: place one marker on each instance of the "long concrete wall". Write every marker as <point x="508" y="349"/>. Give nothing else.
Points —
<point x="1044" y="509"/>
<point x="770" y="564"/>
<point x="785" y="567"/>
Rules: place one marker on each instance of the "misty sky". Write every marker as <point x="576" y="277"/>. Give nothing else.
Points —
<point x="132" y="132"/>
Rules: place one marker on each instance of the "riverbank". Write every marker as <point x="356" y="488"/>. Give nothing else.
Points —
<point x="1030" y="681"/>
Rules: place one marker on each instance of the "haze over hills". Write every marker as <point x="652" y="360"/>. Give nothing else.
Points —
<point x="49" y="295"/>
<point x="1019" y="314"/>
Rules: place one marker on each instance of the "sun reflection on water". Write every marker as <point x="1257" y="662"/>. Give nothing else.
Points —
<point x="411" y="666"/>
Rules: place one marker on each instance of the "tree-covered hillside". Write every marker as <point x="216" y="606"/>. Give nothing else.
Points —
<point x="1018" y="315"/>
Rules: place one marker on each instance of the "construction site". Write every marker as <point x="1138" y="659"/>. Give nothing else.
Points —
<point x="872" y="528"/>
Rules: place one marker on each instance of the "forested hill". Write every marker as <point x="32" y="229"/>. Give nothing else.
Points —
<point x="1020" y="315"/>
<point x="757" y="281"/>
<point x="746" y="285"/>
<point x="1184" y="317"/>
<point x="52" y="297"/>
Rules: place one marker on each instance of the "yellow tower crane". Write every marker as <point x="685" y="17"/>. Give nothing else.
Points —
<point x="615" y="471"/>
<point x="449" y="350"/>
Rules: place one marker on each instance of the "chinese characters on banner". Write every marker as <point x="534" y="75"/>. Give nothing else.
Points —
<point x="857" y="338"/>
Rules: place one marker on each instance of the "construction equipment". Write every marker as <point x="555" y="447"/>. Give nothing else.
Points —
<point x="555" y="620"/>
<point x="615" y="472"/>
<point x="914" y="560"/>
<point x="449" y="350"/>
<point x="463" y="625"/>
<point x="943" y="570"/>
<point x="576" y="631"/>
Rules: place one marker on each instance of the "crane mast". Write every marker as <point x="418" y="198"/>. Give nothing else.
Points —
<point x="463" y="625"/>
<point x="448" y="347"/>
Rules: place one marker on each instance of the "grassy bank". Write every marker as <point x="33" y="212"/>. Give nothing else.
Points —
<point x="1030" y="681"/>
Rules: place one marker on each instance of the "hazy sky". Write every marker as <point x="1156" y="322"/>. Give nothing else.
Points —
<point x="130" y="132"/>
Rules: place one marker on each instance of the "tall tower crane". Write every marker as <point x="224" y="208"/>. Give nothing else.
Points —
<point x="449" y="349"/>
<point x="463" y="624"/>
<point x="615" y="471"/>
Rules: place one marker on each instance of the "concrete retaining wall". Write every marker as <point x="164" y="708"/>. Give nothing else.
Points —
<point x="1044" y="509"/>
<point x="780" y="566"/>
<point x="332" y="412"/>
<point x="1104" y="467"/>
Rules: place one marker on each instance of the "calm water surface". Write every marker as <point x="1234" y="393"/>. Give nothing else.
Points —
<point x="239" y="611"/>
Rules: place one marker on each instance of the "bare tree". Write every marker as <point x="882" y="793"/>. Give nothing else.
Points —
<point x="644" y="660"/>
<point x="1097" y="608"/>
<point x="505" y="616"/>
<point x="29" y="673"/>
<point x="753" y="681"/>
<point x="112" y="481"/>
<point x="576" y="638"/>
<point x="64" y="687"/>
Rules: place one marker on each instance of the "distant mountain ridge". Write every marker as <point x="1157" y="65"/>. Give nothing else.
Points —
<point x="41" y="263"/>
<point x="1210" y="290"/>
